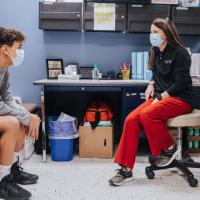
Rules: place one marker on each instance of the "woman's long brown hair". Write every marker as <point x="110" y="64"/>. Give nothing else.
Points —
<point x="172" y="37"/>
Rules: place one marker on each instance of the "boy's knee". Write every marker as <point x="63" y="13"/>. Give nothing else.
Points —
<point x="12" y="123"/>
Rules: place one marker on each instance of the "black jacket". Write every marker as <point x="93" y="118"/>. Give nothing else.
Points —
<point x="171" y="72"/>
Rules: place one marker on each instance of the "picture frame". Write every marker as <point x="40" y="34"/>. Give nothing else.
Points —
<point x="54" y="68"/>
<point x="71" y="69"/>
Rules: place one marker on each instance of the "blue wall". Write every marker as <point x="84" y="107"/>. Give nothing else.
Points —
<point x="106" y="49"/>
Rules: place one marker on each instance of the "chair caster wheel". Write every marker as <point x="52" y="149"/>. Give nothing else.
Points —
<point x="191" y="160"/>
<point x="193" y="182"/>
<point x="149" y="173"/>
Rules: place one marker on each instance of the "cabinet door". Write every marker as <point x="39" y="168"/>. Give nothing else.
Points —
<point x="60" y="16"/>
<point x="187" y="20"/>
<point x="120" y="23"/>
<point x="132" y="97"/>
<point x="140" y="17"/>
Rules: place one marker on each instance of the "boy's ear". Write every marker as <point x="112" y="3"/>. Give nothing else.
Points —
<point x="4" y="49"/>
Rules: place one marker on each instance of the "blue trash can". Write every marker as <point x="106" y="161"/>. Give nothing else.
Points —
<point x="61" y="135"/>
<point x="61" y="128"/>
<point x="61" y="149"/>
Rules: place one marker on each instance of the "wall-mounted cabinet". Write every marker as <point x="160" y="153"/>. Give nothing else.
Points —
<point x="140" y="17"/>
<point x="60" y="16"/>
<point x="120" y="21"/>
<point x="187" y="20"/>
<point x="128" y="17"/>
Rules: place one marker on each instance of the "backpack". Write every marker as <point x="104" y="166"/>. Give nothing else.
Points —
<point x="98" y="111"/>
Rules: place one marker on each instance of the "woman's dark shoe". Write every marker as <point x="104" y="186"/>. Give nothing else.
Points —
<point x="122" y="176"/>
<point x="167" y="156"/>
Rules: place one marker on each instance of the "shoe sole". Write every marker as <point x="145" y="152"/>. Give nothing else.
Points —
<point x="171" y="159"/>
<point x="27" y="183"/>
<point x="13" y="198"/>
<point x="120" y="184"/>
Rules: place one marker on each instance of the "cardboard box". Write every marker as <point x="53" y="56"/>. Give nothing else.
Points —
<point x="97" y="143"/>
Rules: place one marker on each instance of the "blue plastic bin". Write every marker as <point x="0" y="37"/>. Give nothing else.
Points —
<point x="61" y="149"/>
<point x="60" y="128"/>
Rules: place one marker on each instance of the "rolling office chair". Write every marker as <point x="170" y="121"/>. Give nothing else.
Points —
<point x="191" y="120"/>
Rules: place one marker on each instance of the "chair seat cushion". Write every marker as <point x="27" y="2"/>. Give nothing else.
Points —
<point x="191" y="119"/>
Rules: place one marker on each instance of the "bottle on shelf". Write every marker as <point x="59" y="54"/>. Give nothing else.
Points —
<point x="95" y="71"/>
<point x="190" y="133"/>
<point x="196" y="142"/>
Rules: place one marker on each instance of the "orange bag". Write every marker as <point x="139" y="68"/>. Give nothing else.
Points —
<point x="98" y="111"/>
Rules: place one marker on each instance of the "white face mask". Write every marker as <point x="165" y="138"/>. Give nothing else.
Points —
<point x="19" y="57"/>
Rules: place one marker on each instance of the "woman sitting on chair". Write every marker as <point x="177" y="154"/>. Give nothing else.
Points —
<point x="168" y="95"/>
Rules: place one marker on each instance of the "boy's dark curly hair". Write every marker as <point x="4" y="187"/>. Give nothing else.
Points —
<point x="9" y="36"/>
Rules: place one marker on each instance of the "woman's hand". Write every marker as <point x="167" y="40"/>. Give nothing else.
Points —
<point x="155" y="101"/>
<point x="149" y="91"/>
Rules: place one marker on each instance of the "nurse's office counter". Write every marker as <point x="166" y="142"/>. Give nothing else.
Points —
<point x="73" y="97"/>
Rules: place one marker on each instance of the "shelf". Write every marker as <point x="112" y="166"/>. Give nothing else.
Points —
<point x="193" y="150"/>
<point x="193" y="138"/>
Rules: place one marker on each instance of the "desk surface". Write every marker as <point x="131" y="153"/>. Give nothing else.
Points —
<point x="90" y="82"/>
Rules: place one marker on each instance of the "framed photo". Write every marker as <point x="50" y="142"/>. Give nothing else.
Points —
<point x="71" y="69"/>
<point x="54" y="68"/>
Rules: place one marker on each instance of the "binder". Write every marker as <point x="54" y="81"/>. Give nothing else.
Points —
<point x="147" y="72"/>
<point x="140" y="66"/>
<point x="134" y="65"/>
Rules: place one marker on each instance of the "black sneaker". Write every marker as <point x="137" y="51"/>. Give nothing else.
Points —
<point x="122" y="176"/>
<point x="21" y="177"/>
<point x="9" y="190"/>
<point x="167" y="156"/>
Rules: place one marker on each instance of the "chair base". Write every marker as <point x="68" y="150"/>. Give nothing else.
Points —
<point x="182" y="165"/>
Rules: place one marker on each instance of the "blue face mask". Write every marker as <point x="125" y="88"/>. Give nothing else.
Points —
<point x="19" y="57"/>
<point x="156" y="40"/>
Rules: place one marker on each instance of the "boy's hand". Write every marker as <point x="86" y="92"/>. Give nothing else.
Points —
<point x="33" y="127"/>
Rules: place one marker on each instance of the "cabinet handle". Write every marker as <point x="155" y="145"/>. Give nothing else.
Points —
<point x="142" y="96"/>
<point x="122" y="16"/>
<point x="78" y="15"/>
<point x="137" y="6"/>
<point x="181" y="8"/>
<point x="128" y="94"/>
<point x="83" y="89"/>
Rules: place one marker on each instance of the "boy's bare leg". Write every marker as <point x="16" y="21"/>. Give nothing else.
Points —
<point x="20" y="138"/>
<point x="9" y="127"/>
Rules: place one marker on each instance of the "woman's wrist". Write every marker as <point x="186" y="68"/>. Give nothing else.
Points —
<point x="151" y="83"/>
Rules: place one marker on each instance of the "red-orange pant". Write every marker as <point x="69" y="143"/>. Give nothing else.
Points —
<point x="152" y="118"/>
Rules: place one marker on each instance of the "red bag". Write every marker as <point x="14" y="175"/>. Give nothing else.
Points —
<point x="98" y="111"/>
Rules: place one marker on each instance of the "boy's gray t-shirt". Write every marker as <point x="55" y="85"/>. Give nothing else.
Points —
<point x="8" y="105"/>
